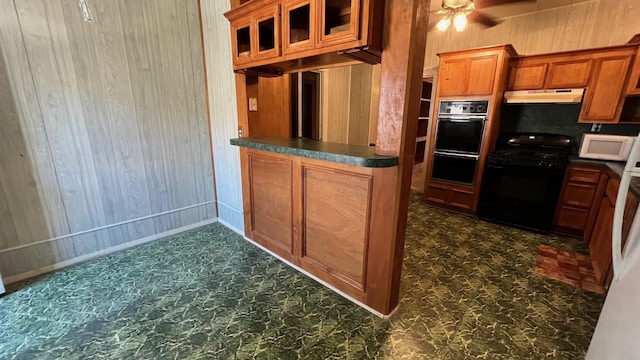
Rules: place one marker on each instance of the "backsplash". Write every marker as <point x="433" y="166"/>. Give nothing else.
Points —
<point x="555" y="119"/>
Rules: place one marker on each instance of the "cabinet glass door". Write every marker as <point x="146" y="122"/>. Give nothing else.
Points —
<point x="298" y="24"/>
<point x="267" y="33"/>
<point x="241" y="41"/>
<point x="339" y="21"/>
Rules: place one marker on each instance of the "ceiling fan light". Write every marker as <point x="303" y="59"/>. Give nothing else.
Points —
<point x="443" y="24"/>
<point x="460" y="21"/>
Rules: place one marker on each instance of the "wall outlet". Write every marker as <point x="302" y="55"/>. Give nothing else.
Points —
<point x="595" y="128"/>
<point x="240" y="132"/>
<point x="253" y="104"/>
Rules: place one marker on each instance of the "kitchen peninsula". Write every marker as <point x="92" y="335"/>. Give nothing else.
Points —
<point x="335" y="212"/>
<point x="322" y="207"/>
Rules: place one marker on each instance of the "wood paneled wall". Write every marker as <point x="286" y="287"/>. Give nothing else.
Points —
<point x="577" y="26"/>
<point x="349" y="104"/>
<point x="104" y="137"/>
<point x="223" y="111"/>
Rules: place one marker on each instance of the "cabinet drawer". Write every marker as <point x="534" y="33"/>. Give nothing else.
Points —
<point x="461" y="199"/>
<point x="588" y="175"/>
<point x="581" y="195"/>
<point x="436" y="194"/>
<point x="572" y="217"/>
<point x="612" y="190"/>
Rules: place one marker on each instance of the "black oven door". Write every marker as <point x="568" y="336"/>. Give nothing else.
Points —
<point x="454" y="168"/>
<point x="460" y="135"/>
<point x="520" y="197"/>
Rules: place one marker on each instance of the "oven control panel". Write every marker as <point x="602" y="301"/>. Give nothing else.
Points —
<point x="453" y="107"/>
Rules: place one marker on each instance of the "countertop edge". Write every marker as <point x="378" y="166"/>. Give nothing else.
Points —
<point x="348" y="159"/>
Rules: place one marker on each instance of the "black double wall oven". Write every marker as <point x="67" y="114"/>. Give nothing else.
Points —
<point x="459" y="134"/>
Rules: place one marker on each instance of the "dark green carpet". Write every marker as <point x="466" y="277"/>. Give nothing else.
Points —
<point x="468" y="292"/>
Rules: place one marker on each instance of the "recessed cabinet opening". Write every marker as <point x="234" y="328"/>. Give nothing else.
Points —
<point x="267" y="34"/>
<point x="631" y="110"/>
<point x="243" y="39"/>
<point x="337" y="16"/>
<point x="300" y="23"/>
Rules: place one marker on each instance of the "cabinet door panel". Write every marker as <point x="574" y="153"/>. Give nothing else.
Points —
<point x="454" y="78"/>
<point x="569" y="74"/>
<point x="436" y="194"/>
<point x="241" y="41"/>
<point x="600" y="244"/>
<point x="461" y="199"/>
<point x="339" y="21"/>
<point x="266" y="34"/>
<point x="298" y="26"/>
<point x="634" y="79"/>
<point x="603" y="100"/>
<point x="482" y="72"/>
<point x="271" y="190"/>
<point x="527" y="77"/>
<point x="335" y="217"/>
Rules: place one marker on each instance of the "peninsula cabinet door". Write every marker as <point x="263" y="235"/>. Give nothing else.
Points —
<point x="336" y="215"/>
<point x="603" y="98"/>
<point x="271" y="202"/>
<point x="298" y="26"/>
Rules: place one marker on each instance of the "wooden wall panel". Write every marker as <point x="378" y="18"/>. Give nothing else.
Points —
<point x="347" y="196"/>
<point x="578" y="26"/>
<point x="108" y="134"/>
<point x="223" y="111"/>
<point x="349" y="102"/>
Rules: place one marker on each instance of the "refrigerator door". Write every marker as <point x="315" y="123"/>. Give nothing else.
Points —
<point x="1" y="285"/>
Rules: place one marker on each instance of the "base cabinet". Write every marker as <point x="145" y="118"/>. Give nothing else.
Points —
<point x="327" y="219"/>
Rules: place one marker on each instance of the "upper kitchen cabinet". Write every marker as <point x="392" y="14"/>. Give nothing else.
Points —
<point x="471" y="72"/>
<point x="634" y="80"/>
<point x="604" y="95"/>
<point x="549" y="72"/>
<point x="274" y="37"/>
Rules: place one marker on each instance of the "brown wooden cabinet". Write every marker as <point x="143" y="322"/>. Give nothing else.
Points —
<point x="579" y="200"/>
<point x="468" y="75"/>
<point x="549" y="72"/>
<point x="633" y="88"/>
<point x="604" y="96"/>
<point x="586" y="209"/>
<point x="326" y="218"/>
<point x="269" y="37"/>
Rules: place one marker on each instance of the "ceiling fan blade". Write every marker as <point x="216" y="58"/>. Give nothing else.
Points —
<point x="480" y="18"/>
<point x="481" y="4"/>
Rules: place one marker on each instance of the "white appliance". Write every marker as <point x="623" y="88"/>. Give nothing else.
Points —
<point x="1" y="285"/>
<point x="606" y="147"/>
<point x="557" y="96"/>
<point x="617" y="335"/>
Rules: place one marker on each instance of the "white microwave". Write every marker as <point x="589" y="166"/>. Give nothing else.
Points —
<point x="606" y="147"/>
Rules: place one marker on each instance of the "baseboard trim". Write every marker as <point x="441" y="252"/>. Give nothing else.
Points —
<point x="231" y="227"/>
<point x="80" y="259"/>
<point x="331" y="287"/>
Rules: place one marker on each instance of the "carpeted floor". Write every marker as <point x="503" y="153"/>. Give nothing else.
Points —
<point x="469" y="291"/>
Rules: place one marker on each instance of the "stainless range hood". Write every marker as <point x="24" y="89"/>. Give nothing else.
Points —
<point x="559" y="96"/>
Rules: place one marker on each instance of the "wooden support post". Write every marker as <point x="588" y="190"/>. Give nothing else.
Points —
<point x="404" y="43"/>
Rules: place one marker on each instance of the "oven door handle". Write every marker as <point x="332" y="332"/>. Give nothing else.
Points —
<point x="470" y="156"/>
<point x="462" y="118"/>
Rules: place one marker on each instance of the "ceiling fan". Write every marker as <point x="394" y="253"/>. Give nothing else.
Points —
<point x="460" y="12"/>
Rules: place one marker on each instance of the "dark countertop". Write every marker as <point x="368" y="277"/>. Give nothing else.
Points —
<point x="357" y="155"/>
<point x="615" y="168"/>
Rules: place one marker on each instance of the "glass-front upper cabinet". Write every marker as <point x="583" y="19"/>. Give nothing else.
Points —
<point x="267" y="33"/>
<point x="339" y="21"/>
<point x="241" y="41"/>
<point x="298" y="26"/>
